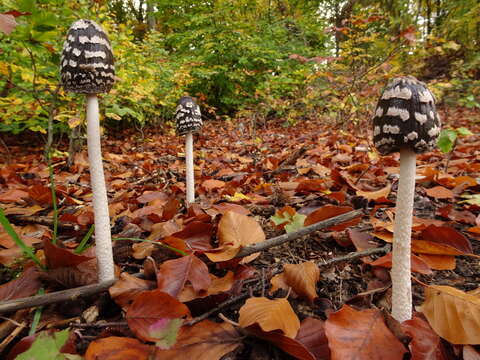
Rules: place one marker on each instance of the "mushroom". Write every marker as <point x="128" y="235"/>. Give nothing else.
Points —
<point x="406" y="121"/>
<point x="189" y="120"/>
<point x="87" y="67"/>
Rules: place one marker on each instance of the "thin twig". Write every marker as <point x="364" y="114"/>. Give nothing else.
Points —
<point x="279" y="240"/>
<point x="55" y="297"/>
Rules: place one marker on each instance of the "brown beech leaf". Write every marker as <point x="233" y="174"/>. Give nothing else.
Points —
<point x="303" y="279"/>
<point x="291" y="346"/>
<point x="433" y="248"/>
<point x="174" y="274"/>
<point x="26" y="285"/>
<point x="197" y="235"/>
<point x="447" y="236"/>
<point x="439" y="262"/>
<point x="118" y="348"/>
<point x="362" y="333"/>
<point x="213" y="184"/>
<point x="416" y="263"/>
<point x="440" y="192"/>
<point x="218" y="285"/>
<point x="270" y="315"/>
<point x="124" y="291"/>
<point x="13" y="195"/>
<point x="206" y="340"/>
<point x="361" y="240"/>
<point x="224" y="207"/>
<point x="425" y="344"/>
<point x="312" y="335"/>
<point x="58" y="257"/>
<point x="376" y="195"/>
<point x="156" y="316"/>
<point x="329" y="211"/>
<point x="234" y="232"/>
<point x="453" y="314"/>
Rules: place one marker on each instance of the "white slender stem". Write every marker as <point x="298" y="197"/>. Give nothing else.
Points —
<point x="401" y="270"/>
<point x="103" y="237"/>
<point x="190" y="179"/>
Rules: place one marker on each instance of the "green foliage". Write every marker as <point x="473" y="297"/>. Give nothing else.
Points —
<point x="289" y="219"/>
<point x="448" y="138"/>
<point x="47" y="347"/>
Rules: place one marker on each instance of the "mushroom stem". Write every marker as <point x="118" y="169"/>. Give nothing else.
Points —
<point x="190" y="180"/>
<point x="103" y="237"/>
<point x="401" y="270"/>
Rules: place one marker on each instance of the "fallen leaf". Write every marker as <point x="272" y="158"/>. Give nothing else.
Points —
<point x="173" y="275"/>
<point x="425" y="344"/>
<point x="329" y="211"/>
<point x="453" y="314"/>
<point x="447" y="236"/>
<point x="156" y="316"/>
<point x="440" y="192"/>
<point x="118" y="348"/>
<point x="312" y="335"/>
<point x="416" y="263"/>
<point x="26" y="284"/>
<point x="439" y="262"/>
<point x="376" y="195"/>
<point x="270" y="315"/>
<point x="125" y="290"/>
<point x="303" y="279"/>
<point x="206" y="340"/>
<point x="362" y="333"/>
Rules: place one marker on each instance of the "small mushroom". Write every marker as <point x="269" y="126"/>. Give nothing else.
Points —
<point x="189" y="120"/>
<point x="87" y="67"/>
<point x="406" y="121"/>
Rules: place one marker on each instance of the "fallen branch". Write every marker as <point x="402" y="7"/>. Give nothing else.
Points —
<point x="354" y="255"/>
<point x="43" y="220"/>
<point x="279" y="240"/>
<point x="54" y="297"/>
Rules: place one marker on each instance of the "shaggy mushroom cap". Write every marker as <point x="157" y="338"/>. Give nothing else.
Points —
<point x="87" y="59"/>
<point x="405" y="117"/>
<point x="188" y="116"/>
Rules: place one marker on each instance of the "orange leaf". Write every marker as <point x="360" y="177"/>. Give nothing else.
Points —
<point x="440" y="192"/>
<point x="218" y="285"/>
<point x="197" y="235"/>
<point x="118" y="348"/>
<point x="330" y="211"/>
<point x="213" y="184"/>
<point x="224" y="207"/>
<point x="417" y="264"/>
<point x="425" y="344"/>
<point x="312" y="336"/>
<point x="13" y="195"/>
<point x="362" y="333"/>
<point x="447" y="236"/>
<point x="453" y="314"/>
<point x="375" y="195"/>
<point x="26" y="285"/>
<point x="270" y="315"/>
<point x="58" y="257"/>
<point x="206" y="340"/>
<point x="439" y="262"/>
<point x="124" y="291"/>
<point x="303" y="279"/>
<point x="153" y="311"/>
<point x="174" y="274"/>
<point x="234" y="232"/>
<point x="429" y="247"/>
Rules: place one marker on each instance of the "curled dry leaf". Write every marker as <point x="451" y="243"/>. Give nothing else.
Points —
<point x="26" y="285"/>
<point x="206" y="340"/>
<point x="58" y="257"/>
<point x="447" y="236"/>
<point x="217" y="286"/>
<point x="124" y="291"/>
<point x="453" y="314"/>
<point x="425" y="344"/>
<point x="417" y="264"/>
<point x="234" y="232"/>
<point x="118" y="348"/>
<point x="174" y="274"/>
<point x="362" y="333"/>
<point x="302" y="278"/>
<point x="329" y="211"/>
<point x="312" y="336"/>
<point x="270" y="315"/>
<point x="156" y="316"/>
<point x="381" y="194"/>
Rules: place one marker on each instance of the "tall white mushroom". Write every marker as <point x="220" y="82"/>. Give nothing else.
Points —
<point x="406" y="121"/>
<point x="189" y="120"/>
<point x="87" y="67"/>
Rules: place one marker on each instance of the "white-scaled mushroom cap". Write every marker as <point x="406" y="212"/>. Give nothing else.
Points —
<point x="87" y="64"/>
<point x="405" y="117"/>
<point x="187" y="115"/>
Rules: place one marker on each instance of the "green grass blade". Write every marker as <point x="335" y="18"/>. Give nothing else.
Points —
<point x="36" y="316"/>
<point x="82" y="246"/>
<point x="11" y="231"/>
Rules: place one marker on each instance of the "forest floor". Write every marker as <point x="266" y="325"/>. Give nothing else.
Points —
<point x="314" y="168"/>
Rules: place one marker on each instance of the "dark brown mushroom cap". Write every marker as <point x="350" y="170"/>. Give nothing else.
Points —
<point x="188" y="116"/>
<point x="87" y="60"/>
<point x="405" y="117"/>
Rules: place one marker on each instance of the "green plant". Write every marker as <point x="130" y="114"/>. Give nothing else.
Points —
<point x="448" y="138"/>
